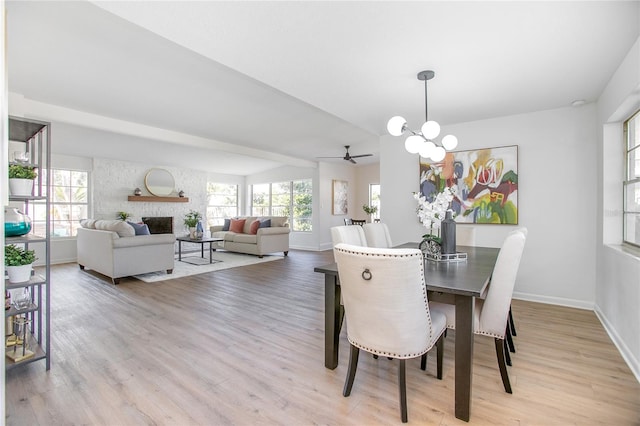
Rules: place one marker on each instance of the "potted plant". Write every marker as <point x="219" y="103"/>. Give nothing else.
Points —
<point x="123" y="216"/>
<point x="191" y="220"/>
<point x="370" y="210"/>
<point x="21" y="179"/>
<point x="18" y="262"/>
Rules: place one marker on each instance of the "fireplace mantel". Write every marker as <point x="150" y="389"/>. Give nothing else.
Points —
<point x="154" y="199"/>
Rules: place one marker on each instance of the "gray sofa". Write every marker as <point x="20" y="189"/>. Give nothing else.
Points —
<point x="111" y="248"/>
<point x="272" y="239"/>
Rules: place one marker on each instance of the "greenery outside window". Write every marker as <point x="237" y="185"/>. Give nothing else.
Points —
<point x="69" y="203"/>
<point x="374" y="199"/>
<point x="222" y="202"/>
<point x="631" y="210"/>
<point x="291" y="199"/>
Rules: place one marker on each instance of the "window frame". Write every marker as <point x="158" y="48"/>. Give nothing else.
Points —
<point x="219" y="220"/>
<point x="631" y="154"/>
<point x="73" y="223"/>
<point x="268" y="209"/>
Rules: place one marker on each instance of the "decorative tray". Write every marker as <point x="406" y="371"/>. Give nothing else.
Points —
<point x="452" y="257"/>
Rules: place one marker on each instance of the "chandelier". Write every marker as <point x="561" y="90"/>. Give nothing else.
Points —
<point x="423" y="142"/>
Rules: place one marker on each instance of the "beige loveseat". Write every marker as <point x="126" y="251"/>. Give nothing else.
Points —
<point x="265" y="240"/>
<point x="111" y="248"/>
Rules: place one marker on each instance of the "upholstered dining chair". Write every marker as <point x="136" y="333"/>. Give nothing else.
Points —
<point x="386" y="308"/>
<point x="377" y="235"/>
<point x="492" y="312"/>
<point x="348" y="234"/>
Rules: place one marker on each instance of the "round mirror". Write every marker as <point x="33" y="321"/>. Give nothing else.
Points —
<point x="159" y="182"/>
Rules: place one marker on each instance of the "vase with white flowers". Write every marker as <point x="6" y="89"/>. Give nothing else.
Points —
<point x="432" y="211"/>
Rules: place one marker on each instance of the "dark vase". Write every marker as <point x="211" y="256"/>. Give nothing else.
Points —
<point x="448" y="234"/>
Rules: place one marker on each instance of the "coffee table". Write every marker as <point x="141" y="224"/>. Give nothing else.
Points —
<point x="201" y="241"/>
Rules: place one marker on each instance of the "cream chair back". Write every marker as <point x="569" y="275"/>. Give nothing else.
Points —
<point x="377" y="235"/>
<point x="385" y="300"/>
<point x="495" y="307"/>
<point x="348" y="234"/>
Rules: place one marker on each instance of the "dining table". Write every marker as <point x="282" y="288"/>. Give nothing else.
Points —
<point x="464" y="279"/>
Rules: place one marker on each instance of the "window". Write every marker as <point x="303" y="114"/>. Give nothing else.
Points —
<point x="292" y="199"/>
<point x="260" y="199"/>
<point x="223" y="202"/>
<point x="302" y="205"/>
<point x="69" y="203"/>
<point x="374" y="199"/>
<point x="631" y="210"/>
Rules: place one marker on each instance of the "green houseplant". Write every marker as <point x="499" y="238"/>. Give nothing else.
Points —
<point x="18" y="262"/>
<point x="18" y="171"/>
<point x="21" y="179"/>
<point x="123" y="216"/>
<point x="191" y="219"/>
<point x="370" y="209"/>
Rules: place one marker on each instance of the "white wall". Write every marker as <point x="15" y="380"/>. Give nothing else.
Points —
<point x="327" y="172"/>
<point x="617" y="297"/>
<point x="365" y="175"/>
<point x="556" y="201"/>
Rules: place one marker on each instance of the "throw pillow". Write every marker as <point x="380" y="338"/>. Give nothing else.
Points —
<point x="227" y="224"/>
<point x="88" y="223"/>
<point x="253" y="230"/>
<point x="123" y="229"/>
<point x="237" y="225"/>
<point x="140" y="228"/>
<point x="265" y="223"/>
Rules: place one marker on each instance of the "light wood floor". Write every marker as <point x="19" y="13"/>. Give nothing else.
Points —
<point x="245" y="346"/>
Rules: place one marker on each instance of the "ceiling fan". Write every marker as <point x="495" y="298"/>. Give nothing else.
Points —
<point x="349" y="157"/>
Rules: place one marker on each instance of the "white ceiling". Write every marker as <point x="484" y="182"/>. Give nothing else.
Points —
<point x="299" y="80"/>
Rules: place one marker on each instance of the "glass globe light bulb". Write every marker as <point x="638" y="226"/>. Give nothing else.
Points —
<point x="438" y="154"/>
<point x="449" y="142"/>
<point x="396" y="125"/>
<point x="426" y="149"/>
<point x="413" y="143"/>
<point x="430" y="129"/>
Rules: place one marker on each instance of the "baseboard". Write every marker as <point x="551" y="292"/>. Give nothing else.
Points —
<point x="304" y="248"/>
<point x="627" y="354"/>
<point x="570" y="303"/>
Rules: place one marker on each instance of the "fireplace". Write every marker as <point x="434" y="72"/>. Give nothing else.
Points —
<point x="159" y="225"/>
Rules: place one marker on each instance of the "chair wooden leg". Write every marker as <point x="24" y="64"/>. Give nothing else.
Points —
<point x="351" y="372"/>
<point x="439" y="354"/>
<point x="423" y="362"/>
<point x="512" y="325"/>
<point x="402" y="383"/>
<point x="507" y="356"/>
<point x="500" y="351"/>
<point x="512" y="346"/>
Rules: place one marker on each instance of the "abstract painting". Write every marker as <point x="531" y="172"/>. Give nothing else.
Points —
<point x="339" y="196"/>
<point x="486" y="181"/>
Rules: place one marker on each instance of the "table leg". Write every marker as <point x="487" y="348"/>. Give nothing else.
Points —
<point x="202" y="250"/>
<point x="179" y="250"/>
<point x="464" y="356"/>
<point x="210" y="251"/>
<point x="332" y="319"/>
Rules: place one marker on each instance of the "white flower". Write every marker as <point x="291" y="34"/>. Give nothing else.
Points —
<point x="432" y="213"/>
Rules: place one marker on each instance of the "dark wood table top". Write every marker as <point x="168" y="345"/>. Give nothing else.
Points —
<point x="469" y="277"/>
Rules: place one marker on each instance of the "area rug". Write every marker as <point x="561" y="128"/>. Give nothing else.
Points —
<point x="221" y="260"/>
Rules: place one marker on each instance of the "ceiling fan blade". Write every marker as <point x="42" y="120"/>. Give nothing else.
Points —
<point x="361" y="155"/>
<point x="329" y="157"/>
<point x="352" y="160"/>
